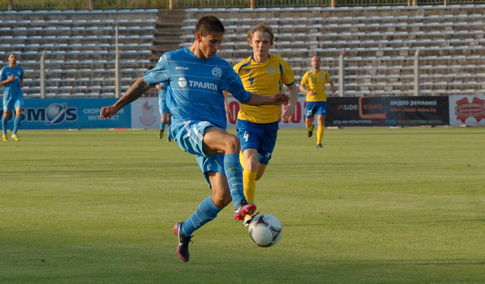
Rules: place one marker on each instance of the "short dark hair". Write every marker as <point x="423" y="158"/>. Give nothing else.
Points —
<point x="209" y="24"/>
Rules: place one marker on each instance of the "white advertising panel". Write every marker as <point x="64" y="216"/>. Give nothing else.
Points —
<point x="145" y="113"/>
<point x="467" y="110"/>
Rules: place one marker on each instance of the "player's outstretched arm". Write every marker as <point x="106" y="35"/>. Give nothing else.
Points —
<point x="134" y="92"/>
<point x="257" y="100"/>
<point x="226" y="105"/>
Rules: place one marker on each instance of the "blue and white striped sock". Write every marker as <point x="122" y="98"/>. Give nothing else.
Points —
<point x="205" y="212"/>
<point x="234" y="176"/>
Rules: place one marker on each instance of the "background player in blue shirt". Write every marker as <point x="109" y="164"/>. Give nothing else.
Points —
<point x="12" y="80"/>
<point x="165" y="115"/>
<point x="197" y="78"/>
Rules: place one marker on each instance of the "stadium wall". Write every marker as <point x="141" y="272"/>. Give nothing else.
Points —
<point x="341" y="111"/>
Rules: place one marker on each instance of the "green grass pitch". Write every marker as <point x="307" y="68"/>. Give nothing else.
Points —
<point x="376" y="205"/>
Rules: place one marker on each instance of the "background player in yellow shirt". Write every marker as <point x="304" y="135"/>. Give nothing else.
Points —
<point x="257" y="127"/>
<point x="313" y="85"/>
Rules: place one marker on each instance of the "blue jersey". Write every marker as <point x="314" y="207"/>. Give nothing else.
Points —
<point x="12" y="89"/>
<point x="196" y="85"/>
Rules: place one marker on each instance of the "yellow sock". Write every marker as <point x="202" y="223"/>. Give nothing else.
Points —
<point x="241" y="159"/>
<point x="311" y="128"/>
<point x="249" y="182"/>
<point x="320" y="130"/>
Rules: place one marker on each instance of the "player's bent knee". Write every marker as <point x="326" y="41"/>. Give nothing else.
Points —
<point x="221" y="201"/>
<point x="232" y="144"/>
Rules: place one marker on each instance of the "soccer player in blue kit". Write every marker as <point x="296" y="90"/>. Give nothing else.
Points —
<point x="12" y="80"/>
<point x="197" y="78"/>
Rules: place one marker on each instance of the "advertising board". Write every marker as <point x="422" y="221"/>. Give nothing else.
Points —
<point x="70" y="114"/>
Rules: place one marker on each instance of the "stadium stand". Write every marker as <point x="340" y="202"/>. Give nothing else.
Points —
<point x="380" y="43"/>
<point x="80" y="48"/>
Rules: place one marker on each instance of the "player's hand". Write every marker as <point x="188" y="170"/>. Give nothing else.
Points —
<point x="288" y="111"/>
<point x="11" y="78"/>
<point x="107" y="112"/>
<point x="280" y="98"/>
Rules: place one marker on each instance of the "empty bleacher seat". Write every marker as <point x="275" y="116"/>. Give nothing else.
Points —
<point x="79" y="45"/>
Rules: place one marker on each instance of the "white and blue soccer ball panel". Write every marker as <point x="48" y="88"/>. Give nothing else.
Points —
<point x="265" y="230"/>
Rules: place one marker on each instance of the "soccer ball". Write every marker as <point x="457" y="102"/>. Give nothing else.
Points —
<point x="265" y="230"/>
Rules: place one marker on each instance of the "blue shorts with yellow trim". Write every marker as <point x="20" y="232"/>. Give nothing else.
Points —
<point x="315" y="108"/>
<point x="259" y="136"/>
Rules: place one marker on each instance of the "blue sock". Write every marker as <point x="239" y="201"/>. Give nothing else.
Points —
<point x="205" y="212"/>
<point x="16" y="124"/>
<point x="4" y="124"/>
<point x="233" y="170"/>
<point x="162" y="125"/>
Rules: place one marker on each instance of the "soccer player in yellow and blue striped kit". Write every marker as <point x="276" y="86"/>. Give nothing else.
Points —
<point x="257" y="126"/>
<point x="313" y="85"/>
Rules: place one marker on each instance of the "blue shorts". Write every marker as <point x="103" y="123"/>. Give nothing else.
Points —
<point x="12" y="102"/>
<point x="259" y="136"/>
<point x="188" y="136"/>
<point x="315" y="108"/>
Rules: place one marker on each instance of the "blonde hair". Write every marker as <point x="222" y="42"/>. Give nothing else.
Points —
<point x="260" y="28"/>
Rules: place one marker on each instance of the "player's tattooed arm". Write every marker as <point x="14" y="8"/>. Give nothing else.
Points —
<point x="134" y="92"/>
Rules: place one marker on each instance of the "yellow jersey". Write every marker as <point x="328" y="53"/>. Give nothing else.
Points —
<point x="316" y="82"/>
<point x="265" y="79"/>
